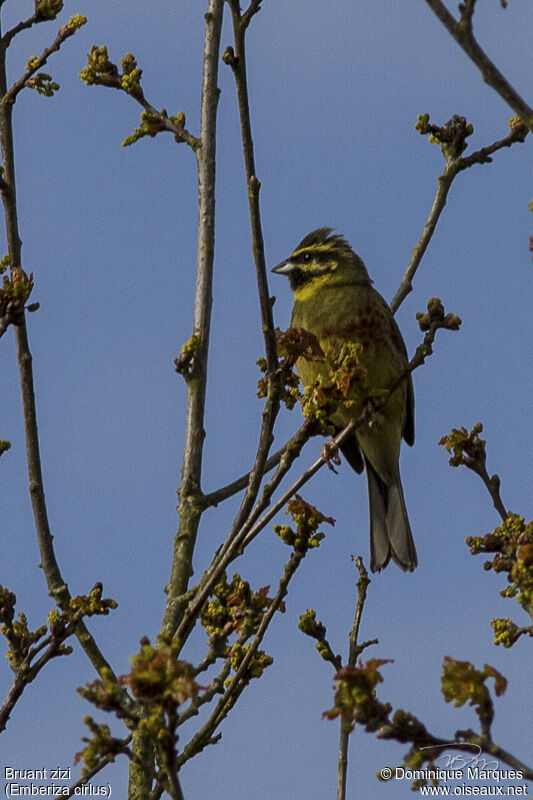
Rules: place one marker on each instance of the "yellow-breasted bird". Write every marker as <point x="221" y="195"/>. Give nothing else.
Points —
<point x="335" y="301"/>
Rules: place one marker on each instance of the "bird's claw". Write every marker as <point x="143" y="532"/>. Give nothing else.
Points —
<point x="330" y="454"/>
<point x="369" y="413"/>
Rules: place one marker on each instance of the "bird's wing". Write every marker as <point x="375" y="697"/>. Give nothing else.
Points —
<point x="352" y="452"/>
<point x="408" y="431"/>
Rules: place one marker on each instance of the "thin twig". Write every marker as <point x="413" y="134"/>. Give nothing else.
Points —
<point x="463" y="741"/>
<point x="239" y="680"/>
<point x="56" y="584"/>
<point x="180" y="132"/>
<point x="13" y="695"/>
<point x="191" y="505"/>
<point x="21" y="26"/>
<point x="237" y="60"/>
<point x="482" y="156"/>
<point x="354" y="652"/>
<point x="493" y="486"/>
<point x="444" y="184"/>
<point x="102" y="72"/>
<point x="90" y="773"/>
<point x="63" y="34"/>
<point x="27" y="668"/>
<point x="291" y="452"/>
<point x="362" y="587"/>
<point x="216" y="497"/>
<point x="462" y="32"/>
<point x="237" y="539"/>
<point x="503" y="755"/>
<point x="443" y="187"/>
<point x="170" y="760"/>
<point x="471" y="453"/>
<point x="252" y="9"/>
<point x="215" y="687"/>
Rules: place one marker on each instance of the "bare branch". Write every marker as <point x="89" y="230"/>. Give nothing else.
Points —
<point x="252" y="9"/>
<point x="443" y="187"/>
<point x="463" y="34"/>
<point x="21" y="26"/>
<point x="469" y="450"/>
<point x="35" y="64"/>
<point x="191" y="503"/>
<point x="56" y="584"/>
<point x="238" y="540"/>
<point x="239" y="680"/>
<point x="237" y="61"/>
<point x="355" y="651"/>
<point x="101" y="71"/>
<point x="216" y="497"/>
<point x="518" y="134"/>
<point x="501" y="755"/>
<point x="215" y="687"/>
<point x="73" y="790"/>
<point x="452" y="168"/>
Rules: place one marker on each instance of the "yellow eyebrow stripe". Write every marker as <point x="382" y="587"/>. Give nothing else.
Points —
<point x="315" y="248"/>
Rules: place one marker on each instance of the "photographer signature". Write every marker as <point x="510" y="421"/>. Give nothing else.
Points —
<point x="459" y="761"/>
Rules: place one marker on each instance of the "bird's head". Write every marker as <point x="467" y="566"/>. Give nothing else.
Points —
<point x="323" y="258"/>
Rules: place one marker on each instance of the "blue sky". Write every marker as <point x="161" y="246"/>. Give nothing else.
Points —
<point x="110" y="235"/>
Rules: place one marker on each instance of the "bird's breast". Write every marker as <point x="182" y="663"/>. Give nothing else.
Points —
<point x="349" y="313"/>
<point x="366" y="325"/>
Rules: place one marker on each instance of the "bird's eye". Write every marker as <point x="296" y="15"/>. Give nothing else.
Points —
<point x="307" y="257"/>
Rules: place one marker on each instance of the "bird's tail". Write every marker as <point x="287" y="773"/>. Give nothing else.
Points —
<point x="390" y="532"/>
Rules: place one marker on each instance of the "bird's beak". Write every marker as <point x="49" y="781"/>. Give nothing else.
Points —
<point x="285" y="268"/>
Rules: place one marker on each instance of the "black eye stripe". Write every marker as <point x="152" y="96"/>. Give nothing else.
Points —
<point x="306" y="258"/>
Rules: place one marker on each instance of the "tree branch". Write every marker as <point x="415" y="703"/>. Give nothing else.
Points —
<point x="452" y="168"/>
<point x="443" y="187"/>
<point x="191" y="503"/>
<point x="238" y="64"/>
<point x="252" y="9"/>
<point x="354" y="653"/>
<point x="56" y="585"/>
<point x="215" y="687"/>
<point x="216" y="497"/>
<point x="21" y="26"/>
<point x="240" y="680"/>
<point x="469" y="450"/>
<point x="237" y="61"/>
<point x="462" y="32"/>
<point x="238" y="540"/>
<point x="90" y="773"/>
<point x="64" y="33"/>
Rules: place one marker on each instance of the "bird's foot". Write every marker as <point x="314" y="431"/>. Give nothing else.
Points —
<point x="330" y="454"/>
<point x="369" y="413"/>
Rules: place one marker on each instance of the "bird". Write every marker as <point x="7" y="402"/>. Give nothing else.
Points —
<point x="335" y="301"/>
